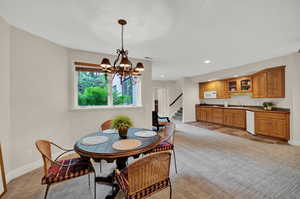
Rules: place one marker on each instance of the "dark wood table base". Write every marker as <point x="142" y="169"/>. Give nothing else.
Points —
<point x="110" y="179"/>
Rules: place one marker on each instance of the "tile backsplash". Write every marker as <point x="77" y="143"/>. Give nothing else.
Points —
<point x="248" y="100"/>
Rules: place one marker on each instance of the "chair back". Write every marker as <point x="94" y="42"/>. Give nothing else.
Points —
<point x="169" y="133"/>
<point x="154" y="118"/>
<point x="106" y="125"/>
<point x="149" y="170"/>
<point x="44" y="147"/>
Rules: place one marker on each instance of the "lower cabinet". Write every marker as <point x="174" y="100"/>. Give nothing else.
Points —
<point x="204" y="114"/>
<point x="272" y="124"/>
<point x="235" y="118"/>
<point x="217" y="115"/>
<point x="228" y="117"/>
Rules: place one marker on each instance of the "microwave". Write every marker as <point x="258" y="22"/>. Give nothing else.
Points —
<point x="210" y="94"/>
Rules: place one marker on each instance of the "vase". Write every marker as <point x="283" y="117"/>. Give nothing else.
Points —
<point x="123" y="132"/>
<point x="269" y="108"/>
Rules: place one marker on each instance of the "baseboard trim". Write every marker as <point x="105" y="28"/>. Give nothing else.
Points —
<point x="24" y="169"/>
<point x="294" y="142"/>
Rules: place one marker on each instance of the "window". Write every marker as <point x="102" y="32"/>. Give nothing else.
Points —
<point x="95" y="89"/>
<point x="124" y="93"/>
<point x="92" y="88"/>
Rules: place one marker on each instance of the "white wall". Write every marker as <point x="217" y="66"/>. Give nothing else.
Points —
<point x="5" y="90"/>
<point x="292" y="87"/>
<point x="41" y="85"/>
<point x="173" y="91"/>
<point x="190" y="99"/>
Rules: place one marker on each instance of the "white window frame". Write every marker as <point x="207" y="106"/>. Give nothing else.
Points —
<point x="110" y="105"/>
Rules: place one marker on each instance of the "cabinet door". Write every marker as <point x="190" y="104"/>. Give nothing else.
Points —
<point x="271" y="127"/>
<point x="202" y="114"/>
<point x="202" y="87"/>
<point x="227" y="117"/>
<point x="198" y="111"/>
<point x="275" y="83"/>
<point x="239" y="118"/>
<point x="209" y="117"/>
<point x="272" y="124"/>
<point x="221" y="89"/>
<point x="259" y="84"/>
<point x="217" y="115"/>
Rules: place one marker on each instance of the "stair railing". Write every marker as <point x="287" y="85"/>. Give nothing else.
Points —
<point x="177" y="98"/>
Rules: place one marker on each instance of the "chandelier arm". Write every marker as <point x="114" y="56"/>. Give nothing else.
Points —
<point x="116" y="60"/>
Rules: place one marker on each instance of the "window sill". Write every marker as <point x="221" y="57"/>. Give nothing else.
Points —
<point x="80" y="108"/>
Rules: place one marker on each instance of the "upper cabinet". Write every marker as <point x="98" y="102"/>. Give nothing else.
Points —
<point x="239" y="85"/>
<point x="269" y="83"/>
<point x="259" y="85"/>
<point x="218" y="86"/>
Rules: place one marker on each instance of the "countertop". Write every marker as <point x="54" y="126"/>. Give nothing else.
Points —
<point x="246" y="107"/>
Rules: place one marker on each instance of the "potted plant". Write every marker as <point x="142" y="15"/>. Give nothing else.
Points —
<point x="268" y="105"/>
<point x="122" y="124"/>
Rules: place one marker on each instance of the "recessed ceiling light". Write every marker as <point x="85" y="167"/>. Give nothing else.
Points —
<point x="207" y="61"/>
<point x="235" y="75"/>
<point x="210" y="80"/>
<point x="162" y="76"/>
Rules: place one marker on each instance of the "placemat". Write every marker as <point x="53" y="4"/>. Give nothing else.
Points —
<point x="109" y="131"/>
<point x="94" y="140"/>
<point x="145" y="134"/>
<point x="126" y="144"/>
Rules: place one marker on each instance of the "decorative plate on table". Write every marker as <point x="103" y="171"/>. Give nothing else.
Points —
<point x="94" y="140"/>
<point x="126" y="144"/>
<point x="109" y="131"/>
<point x="145" y="134"/>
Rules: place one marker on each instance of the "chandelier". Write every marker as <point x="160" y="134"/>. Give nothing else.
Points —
<point x="122" y="66"/>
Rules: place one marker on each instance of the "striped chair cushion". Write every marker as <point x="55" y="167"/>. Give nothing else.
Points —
<point x="163" y="146"/>
<point x="75" y="167"/>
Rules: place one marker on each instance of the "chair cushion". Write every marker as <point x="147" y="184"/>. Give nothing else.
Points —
<point x="76" y="167"/>
<point x="163" y="123"/>
<point x="163" y="146"/>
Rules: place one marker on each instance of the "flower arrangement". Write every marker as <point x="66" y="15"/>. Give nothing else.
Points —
<point x="122" y="124"/>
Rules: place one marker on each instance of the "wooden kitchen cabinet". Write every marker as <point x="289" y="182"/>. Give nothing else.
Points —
<point x="276" y="83"/>
<point x="272" y="124"/>
<point x="228" y="117"/>
<point x="259" y="82"/>
<point x="235" y="118"/>
<point x="269" y="83"/>
<point x="239" y="85"/>
<point x="218" y="86"/>
<point x="204" y="114"/>
<point x="217" y="115"/>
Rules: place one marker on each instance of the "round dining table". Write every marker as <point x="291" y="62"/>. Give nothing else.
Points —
<point x="105" y="151"/>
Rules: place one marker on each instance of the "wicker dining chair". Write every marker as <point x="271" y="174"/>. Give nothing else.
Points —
<point x="146" y="176"/>
<point x="167" y="142"/>
<point x="61" y="169"/>
<point x="106" y="125"/>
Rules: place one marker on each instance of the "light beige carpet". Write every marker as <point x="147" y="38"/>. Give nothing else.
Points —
<point x="211" y="165"/>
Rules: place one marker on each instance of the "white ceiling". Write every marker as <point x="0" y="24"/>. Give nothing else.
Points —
<point x="177" y="34"/>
